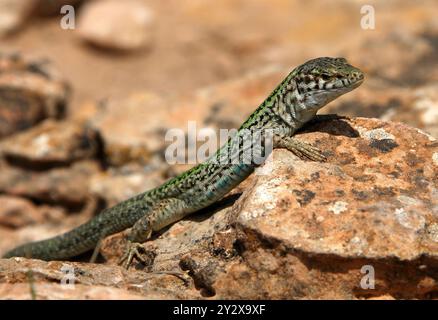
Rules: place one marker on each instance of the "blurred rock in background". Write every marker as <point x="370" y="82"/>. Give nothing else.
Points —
<point x="30" y="91"/>
<point x="116" y="25"/>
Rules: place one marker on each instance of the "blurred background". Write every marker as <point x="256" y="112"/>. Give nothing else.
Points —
<point x="87" y="95"/>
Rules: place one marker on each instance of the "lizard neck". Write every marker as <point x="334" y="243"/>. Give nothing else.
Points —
<point x="284" y="111"/>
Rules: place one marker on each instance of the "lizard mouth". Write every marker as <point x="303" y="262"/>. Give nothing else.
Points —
<point x="347" y="83"/>
<point x="335" y="89"/>
<point x="357" y="78"/>
<point x="358" y="82"/>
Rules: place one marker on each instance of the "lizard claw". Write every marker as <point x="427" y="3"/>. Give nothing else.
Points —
<point x="132" y="251"/>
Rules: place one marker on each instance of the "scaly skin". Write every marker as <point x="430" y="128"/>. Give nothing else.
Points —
<point x="294" y="102"/>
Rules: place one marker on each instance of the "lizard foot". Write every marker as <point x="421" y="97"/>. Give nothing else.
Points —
<point x="310" y="152"/>
<point x="134" y="250"/>
<point x="301" y="149"/>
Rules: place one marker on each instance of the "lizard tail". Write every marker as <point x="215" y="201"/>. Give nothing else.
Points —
<point x="77" y="241"/>
<point x="64" y="246"/>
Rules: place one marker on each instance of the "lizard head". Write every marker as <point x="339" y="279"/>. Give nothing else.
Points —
<point x="322" y="80"/>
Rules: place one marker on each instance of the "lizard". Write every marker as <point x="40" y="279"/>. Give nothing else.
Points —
<point x="292" y="104"/>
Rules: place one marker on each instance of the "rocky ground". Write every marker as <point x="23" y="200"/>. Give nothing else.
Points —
<point x="83" y="114"/>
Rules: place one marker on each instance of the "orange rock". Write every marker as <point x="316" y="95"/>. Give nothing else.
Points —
<point x="52" y="143"/>
<point x="70" y="280"/>
<point x="66" y="186"/>
<point x="30" y="91"/>
<point x="125" y="26"/>
<point x="309" y="228"/>
<point x="18" y="212"/>
<point x="362" y="225"/>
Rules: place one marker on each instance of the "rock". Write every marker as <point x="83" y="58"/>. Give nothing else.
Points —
<point x="13" y="14"/>
<point x="51" y="143"/>
<point x="55" y="220"/>
<point x="426" y="107"/>
<point x="299" y="229"/>
<point x="64" y="186"/>
<point x="86" y="281"/>
<point x="85" y="111"/>
<point x="19" y="212"/>
<point x="130" y="128"/>
<point x="307" y="229"/>
<point x="53" y="291"/>
<point x="30" y="91"/>
<point x="116" y="25"/>
<point x="384" y="297"/>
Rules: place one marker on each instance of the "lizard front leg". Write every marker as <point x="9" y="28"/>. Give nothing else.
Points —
<point x="299" y="148"/>
<point x="162" y="214"/>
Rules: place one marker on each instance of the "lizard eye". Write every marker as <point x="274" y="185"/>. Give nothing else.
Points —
<point x="325" y="76"/>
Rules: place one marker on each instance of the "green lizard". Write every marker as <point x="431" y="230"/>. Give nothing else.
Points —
<point x="293" y="103"/>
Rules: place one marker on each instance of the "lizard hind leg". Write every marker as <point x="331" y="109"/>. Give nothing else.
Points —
<point x="162" y="214"/>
